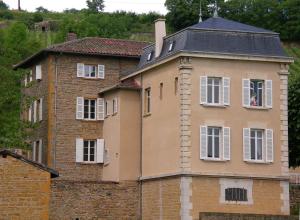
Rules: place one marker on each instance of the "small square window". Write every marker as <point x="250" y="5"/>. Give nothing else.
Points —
<point x="171" y="46"/>
<point x="236" y="194"/>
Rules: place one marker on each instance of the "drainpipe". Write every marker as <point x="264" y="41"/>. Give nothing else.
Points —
<point x="141" y="145"/>
<point x="55" y="109"/>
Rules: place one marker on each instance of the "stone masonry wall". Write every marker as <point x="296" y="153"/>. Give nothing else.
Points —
<point x="25" y="191"/>
<point x="225" y="216"/>
<point x="94" y="200"/>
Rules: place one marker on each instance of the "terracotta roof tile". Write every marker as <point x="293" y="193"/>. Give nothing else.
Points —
<point x="129" y="84"/>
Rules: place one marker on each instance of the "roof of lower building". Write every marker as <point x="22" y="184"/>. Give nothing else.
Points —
<point x="91" y="46"/>
<point x="6" y="153"/>
<point x="218" y="36"/>
<point x="129" y="84"/>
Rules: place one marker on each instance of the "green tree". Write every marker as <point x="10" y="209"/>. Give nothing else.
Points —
<point x="42" y="10"/>
<point x="95" y="5"/>
<point x="3" y="6"/>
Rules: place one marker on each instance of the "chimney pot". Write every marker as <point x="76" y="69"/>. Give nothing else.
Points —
<point x="71" y="36"/>
<point x="160" y="33"/>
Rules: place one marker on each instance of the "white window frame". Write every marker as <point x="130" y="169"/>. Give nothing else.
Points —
<point x="213" y="90"/>
<point x="262" y="90"/>
<point x="213" y="142"/>
<point x="263" y="147"/>
<point x="89" y="151"/>
<point x="89" y="110"/>
<point x="171" y="46"/>
<point x="37" y="145"/>
<point x="147" y="104"/>
<point x="149" y="57"/>
<point x="90" y="66"/>
<point x="115" y="106"/>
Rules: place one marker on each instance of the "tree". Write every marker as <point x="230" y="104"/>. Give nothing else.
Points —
<point x="3" y="6"/>
<point x="42" y="10"/>
<point x="95" y="5"/>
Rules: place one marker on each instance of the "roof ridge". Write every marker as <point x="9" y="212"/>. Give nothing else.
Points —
<point x="115" y="39"/>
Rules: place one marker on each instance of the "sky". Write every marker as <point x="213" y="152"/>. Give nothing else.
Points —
<point x="138" y="6"/>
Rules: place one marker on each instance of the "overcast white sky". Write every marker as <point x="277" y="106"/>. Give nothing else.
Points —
<point x="138" y="6"/>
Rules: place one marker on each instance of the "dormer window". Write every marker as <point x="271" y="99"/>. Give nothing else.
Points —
<point x="171" y="46"/>
<point x="149" y="56"/>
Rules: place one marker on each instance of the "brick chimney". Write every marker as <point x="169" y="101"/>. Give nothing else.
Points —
<point x="160" y="33"/>
<point x="71" y="36"/>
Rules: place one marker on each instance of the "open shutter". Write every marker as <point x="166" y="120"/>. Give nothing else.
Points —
<point x="38" y="72"/>
<point x="34" y="111"/>
<point x="33" y="151"/>
<point x="269" y="94"/>
<point x="100" y="109"/>
<point x="80" y="70"/>
<point x="79" y="150"/>
<point x="100" y="150"/>
<point x="269" y="146"/>
<point x="226" y="143"/>
<point x="79" y="108"/>
<point x="246" y="92"/>
<point x="41" y="110"/>
<point x="40" y="159"/>
<point x="226" y="91"/>
<point x="246" y="143"/>
<point x="203" y="89"/>
<point x="30" y="113"/>
<point x="101" y="71"/>
<point x="203" y="142"/>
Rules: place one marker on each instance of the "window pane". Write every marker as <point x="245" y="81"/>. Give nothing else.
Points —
<point x="85" y="151"/>
<point x="259" y="149"/>
<point x="92" y="109"/>
<point x="252" y="148"/>
<point x="209" y="131"/>
<point x="86" y="108"/>
<point x="209" y="93"/>
<point x="209" y="146"/>
<point x="93" y="71"/>
<point x="259" y="93"/>
<point x="86" y="70"/>
<point x="217" y="143"/>
<point x="217" y="95"/>
<point x="92" y="151"/>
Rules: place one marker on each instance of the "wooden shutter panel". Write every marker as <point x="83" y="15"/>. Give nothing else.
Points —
<point x="269" y="94"/>
<point x="79" y="150"/>
<point x="226" y="143"/>
<point x="80" y="70"/>
<point x="100" y="109"/>
<point x="100" y="150"/>
<point x="101" y="71"/>
<point x="246" y="92"/>
<point x="246" y="143"/>
<point x="38" y="72"/>
<point x="203" y="142"/>
<point x="226" y="91"/>
<point x="79" y="107"/>
<point x="34" y="111"/>
<point x="40" y="159"/>
<point x="30" y="113"/>
<point x="41" y="109"/>
<point x="269" y="146"/>
<point x="203" y="89"/>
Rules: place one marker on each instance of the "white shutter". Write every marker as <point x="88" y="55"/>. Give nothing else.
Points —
<point x="226" y="143"/>
<point x="40" y="151"/>
<point x="203" y="89"/>
<point x="269" y="146"/>
<point x="203" y="142"/>
<point x="34" y="111"/>
<point x="100" y="109"/>
<point x="226" y="91"/>
<point x="30" y="112"/>
<point x="246" y="144"/>
<point x="269" y="94"/>
<point x="80" y="70"/>
<point x="115" y="105"/>
<point x="33" y="151"/>
<point x="79" y="108"/>
<point x="25" y="80"/>
<point x="38" y="72"/>
<point x="79" y="150"/>
<point x="100" y="150"/>
<point x="101" y="71"/>
<point x="41" y="109"/>
<point x="246" y="92"/>
<point x="30" y="76"/>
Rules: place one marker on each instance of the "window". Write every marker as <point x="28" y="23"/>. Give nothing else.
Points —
<point x="106" y="108"/>
<point x="90" y="71"/>
<point x="38" y="72"/>
<point x="213" y="90"/>
<point x="28" y="78"/>
<point x="37" y="151"/>
<point x="236" y="194"/>
<point x="115" y="105"/>
<point x="213" y="145"/>
<point x="161" y="86"/>
<point x="171" y="46"/>
<point x="256" y="144"/>
<point x="90" y="109"/>
<point x="39" y="109"/>
<point x="256" y="92"/>
<point x="149" y="57"/>
<point x="176" y="85"/>
<point x="147" y="100"/>
<point x="89" y="150"/>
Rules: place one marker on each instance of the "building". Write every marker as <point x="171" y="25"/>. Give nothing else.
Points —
<point x="200" y="124"/>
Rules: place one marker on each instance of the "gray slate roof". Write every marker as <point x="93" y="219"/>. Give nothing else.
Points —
<point x="219" y="36"/>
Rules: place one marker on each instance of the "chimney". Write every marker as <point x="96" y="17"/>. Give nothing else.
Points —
<point x="160" y="33"/>
<point x="71" y="36"/>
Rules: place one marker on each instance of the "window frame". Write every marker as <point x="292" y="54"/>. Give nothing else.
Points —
<point x="171" y="46"/>
<point x="89" y="151"/>
<point x="147" y="104"/>
<point x="262" y="91"/>
<point x="262" y="138"/>
<point x="89" y="109"/>
<point x="89" y="74"/>
<point x="213" y="85"/>
<point x="237" y="190"/>
<point x="149" y="56"/>
<point x="213" y="147"/>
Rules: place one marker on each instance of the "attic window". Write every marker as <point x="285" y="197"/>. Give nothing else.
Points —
<point x="149" y="56"/>
<point x="171" y="46"/>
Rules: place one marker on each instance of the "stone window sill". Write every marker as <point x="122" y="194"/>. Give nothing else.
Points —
<point x="214" y="105"/>
<point x="257" y="162"/>
<point x="256" y="108"/>
<point x="213" y="160"/>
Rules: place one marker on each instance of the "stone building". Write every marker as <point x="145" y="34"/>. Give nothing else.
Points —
<point x="196" y="122"/>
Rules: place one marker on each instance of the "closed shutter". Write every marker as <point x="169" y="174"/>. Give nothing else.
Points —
<point x="226" y="91"/>
<point x="79" y="108"/>
<point x="246" y="144"/>
<point x="246" y="92"/>
<point x="80" y="70"/>
<point x="101" y="71"/>
<point x="226" y="143"/>
<point x="34" y="111"/>
<point x="203" y="142"/>
<point x="40" y="160"/>
<point x="115" y="105"/>
<point x="269" y="146"/>
<point x="30" y="113"/>
<point x="33" y="151"/>
<point x="100" y="109"/>
<point x="79" y="150"/>
<point x="38" y="72"/>
<point x="269" y="94"/>
<point x="41" y="110"/>
<point x="100" y="150"/>
<point x="203" y="89"/>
